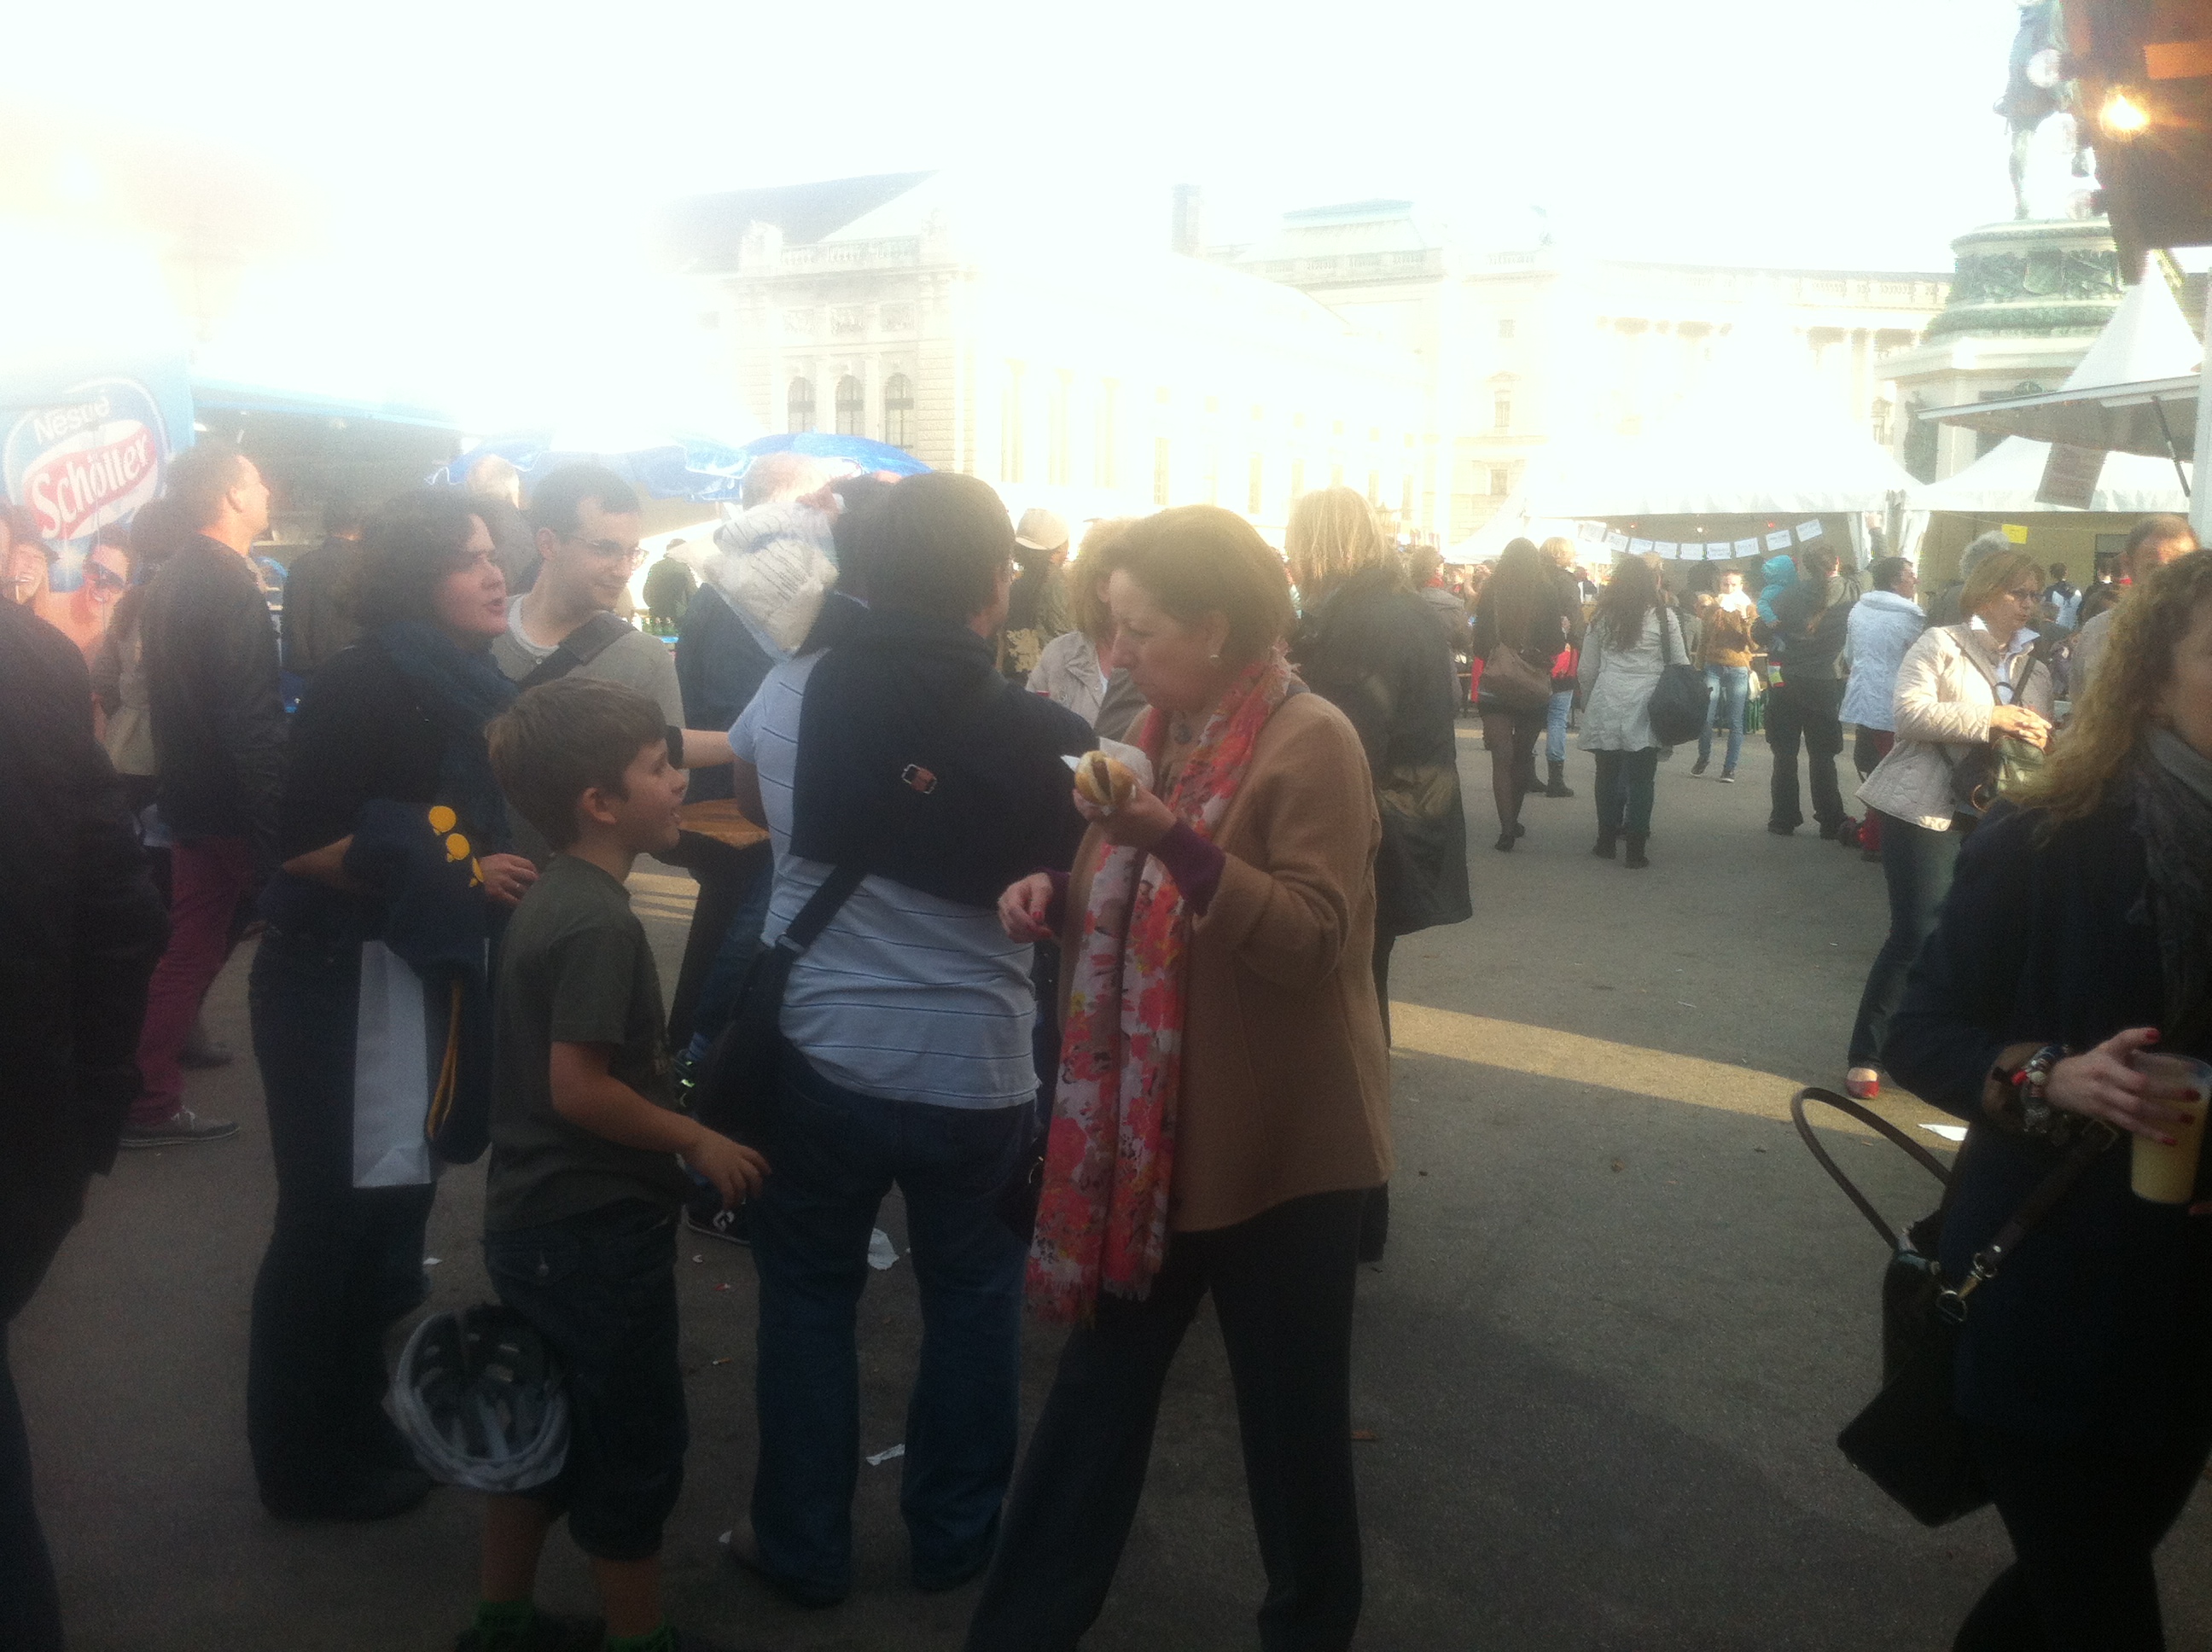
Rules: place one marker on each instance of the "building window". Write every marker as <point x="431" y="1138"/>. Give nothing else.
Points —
<point x="1161" y="476"/>
<point x="1878" y="416"/>
<point x="1374" y="487"/>
<point x="1298" y="478"/>
<point x="1501" y="411"/>
<point x="798" y="405"/>
<point x="847" y="321"/>
<point x="1506" y="327"/>
<point x="1406" y="502"/>
<point x="1501" y="481"/>
<point x="1256" y="493"/>
<point x="898" y="411"/>
<point x="852" y="407"/>
<point x="898" y="317"/>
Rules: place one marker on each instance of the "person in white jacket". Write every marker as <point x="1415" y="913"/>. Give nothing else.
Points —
<point x="1884" y="623"/>
<point x="1958" y="687"/>
<point x="1632" y="636"/>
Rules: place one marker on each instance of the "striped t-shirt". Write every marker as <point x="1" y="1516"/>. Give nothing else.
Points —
<point x="905" y="995"/>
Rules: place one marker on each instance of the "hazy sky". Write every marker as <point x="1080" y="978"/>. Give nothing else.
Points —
<point x="1735" y="131"/>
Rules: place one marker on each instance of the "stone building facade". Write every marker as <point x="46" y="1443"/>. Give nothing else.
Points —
<point x="1358" y="345"/>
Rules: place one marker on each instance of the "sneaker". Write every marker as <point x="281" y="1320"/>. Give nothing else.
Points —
<point x="1779" y="830"/>
<point x="546" y="1633"/>
<point x="185" y="1128"/>
<point x="713" y="1222"/>
<point x="1699" y="767"/>
<point x="1728" y="777"/>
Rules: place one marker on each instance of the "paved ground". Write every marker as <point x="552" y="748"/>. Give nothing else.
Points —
<point x="1622" y="1318"/>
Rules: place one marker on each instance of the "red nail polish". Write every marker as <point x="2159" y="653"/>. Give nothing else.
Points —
<point x="2153" y="1038"/>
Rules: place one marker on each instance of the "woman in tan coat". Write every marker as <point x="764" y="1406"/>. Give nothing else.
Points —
<point x="1222" y="1103"/>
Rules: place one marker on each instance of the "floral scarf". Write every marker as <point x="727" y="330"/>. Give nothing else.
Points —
<point x="1109" y="1159"/>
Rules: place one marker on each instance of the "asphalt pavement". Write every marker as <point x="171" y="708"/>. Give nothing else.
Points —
<point x="1597" y="1377"/>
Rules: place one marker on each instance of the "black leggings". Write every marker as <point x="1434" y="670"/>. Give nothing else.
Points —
<point x="2084" y="1520"/>
<point x="1512" y="739"/>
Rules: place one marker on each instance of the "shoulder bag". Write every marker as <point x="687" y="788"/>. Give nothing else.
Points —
<point x="1679" y="699"/>
<point x="1998" y="765"/>
<point x="1910" y="1440"/>
<point x="734" y="1090"/>
<point x="579" y="647"/>
<point x="1511" y="684"/>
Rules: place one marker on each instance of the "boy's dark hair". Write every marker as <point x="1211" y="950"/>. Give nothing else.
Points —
<point x="563" y="737"/>
<point x="1887" y="572"/>
<point x="935" y="545"/>
<point x="407" y="548"/>
<point x="198" y="479"/>
<point x="2058" y="570"/>
<point x="555" y="498"/>
<point x="1818" y="558"/>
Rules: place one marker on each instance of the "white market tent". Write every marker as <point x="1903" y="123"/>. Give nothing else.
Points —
<point x="1762" y="434"/>
<point x="2148" y="337"/>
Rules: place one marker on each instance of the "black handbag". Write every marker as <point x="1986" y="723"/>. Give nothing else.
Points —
<point x="1910" y="1440"/>
<point x="1680" y="698"/>
<point x="734" y="1090"/>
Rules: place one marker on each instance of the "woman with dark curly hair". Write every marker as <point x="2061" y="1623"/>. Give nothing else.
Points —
<point x="2077" y="941"/>
<point x="389" y="737"/>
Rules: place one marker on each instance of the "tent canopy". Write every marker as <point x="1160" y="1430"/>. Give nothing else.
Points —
<point x="2146" y="338"/>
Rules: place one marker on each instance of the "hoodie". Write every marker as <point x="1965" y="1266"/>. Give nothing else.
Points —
<point x="1779" y="573"/>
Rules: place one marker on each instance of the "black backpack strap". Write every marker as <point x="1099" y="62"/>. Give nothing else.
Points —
<point x="821" y="907"/>
<point x="579" y="647"/>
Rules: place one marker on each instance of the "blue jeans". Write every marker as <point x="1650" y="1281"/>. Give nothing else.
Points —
<point x="1555" y="725"/>
<point x="836" y="1153"/>
<point x="1729" y="684"/>
<point x="1916" y="863"/>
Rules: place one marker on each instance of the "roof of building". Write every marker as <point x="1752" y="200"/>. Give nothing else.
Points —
<point x="704" y="232"/>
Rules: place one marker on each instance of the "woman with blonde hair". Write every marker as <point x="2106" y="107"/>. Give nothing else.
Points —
<point x="1370" y="647"/>
<point x="2073" y="957"/>
<point x="1960" y="688"/>
<point x="1227" y="906"/>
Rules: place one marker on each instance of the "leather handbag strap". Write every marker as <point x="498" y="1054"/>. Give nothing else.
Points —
<point x="1880" y="1126"/>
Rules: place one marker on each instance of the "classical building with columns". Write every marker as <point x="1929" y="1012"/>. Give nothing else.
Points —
<point x="1358" y="344"/>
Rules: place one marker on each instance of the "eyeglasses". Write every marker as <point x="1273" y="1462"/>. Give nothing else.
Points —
<point x="2030" y="594"/>
<point x="607" y="550"/>
<point x="94" y="574"/>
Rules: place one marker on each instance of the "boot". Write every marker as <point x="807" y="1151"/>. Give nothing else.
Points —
<point x="1606" y="836"/>
<point x="1636" y="860"/>
<point x="1559" y="787"/>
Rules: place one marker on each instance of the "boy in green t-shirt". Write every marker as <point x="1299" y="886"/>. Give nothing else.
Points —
<point x="582" y="1204"/>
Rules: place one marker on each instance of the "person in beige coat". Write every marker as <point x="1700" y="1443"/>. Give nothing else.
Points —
<point x="1958" y="687"/>
<point x="1221" y="1110"/>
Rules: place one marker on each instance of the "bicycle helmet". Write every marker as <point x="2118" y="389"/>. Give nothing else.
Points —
<point x="478" y="1395"/>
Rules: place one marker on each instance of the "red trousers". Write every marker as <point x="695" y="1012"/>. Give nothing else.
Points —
<point x="207" y="880"/>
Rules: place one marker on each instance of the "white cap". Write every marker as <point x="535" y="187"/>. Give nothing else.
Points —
<point x="1041" y="529"/>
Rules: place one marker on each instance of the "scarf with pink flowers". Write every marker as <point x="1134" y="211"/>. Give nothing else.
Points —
<point x="1110" y="1158"/>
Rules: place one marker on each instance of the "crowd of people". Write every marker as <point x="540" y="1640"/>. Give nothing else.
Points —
<point x="1120" y="1042"/>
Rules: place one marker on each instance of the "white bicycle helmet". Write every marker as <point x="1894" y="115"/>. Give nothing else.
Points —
<point x="478" y="1395"/>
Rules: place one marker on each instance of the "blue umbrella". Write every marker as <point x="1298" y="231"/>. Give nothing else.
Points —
<point x="664" y="466"/>
<point x="853" y="450"/>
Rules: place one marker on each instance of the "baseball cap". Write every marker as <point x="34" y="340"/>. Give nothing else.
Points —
<point x="1041" y="529"/>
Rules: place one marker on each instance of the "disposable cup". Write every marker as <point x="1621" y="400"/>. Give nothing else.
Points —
<point x="2167" y="1175"/>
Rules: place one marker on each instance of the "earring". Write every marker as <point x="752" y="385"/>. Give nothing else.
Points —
<point x="1214" y="658"/>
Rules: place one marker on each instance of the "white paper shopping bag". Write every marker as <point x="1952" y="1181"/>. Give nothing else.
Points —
<point x="392" y="1075"/>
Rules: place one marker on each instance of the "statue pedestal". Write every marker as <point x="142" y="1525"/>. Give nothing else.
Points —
<point x="2028" y="299"/>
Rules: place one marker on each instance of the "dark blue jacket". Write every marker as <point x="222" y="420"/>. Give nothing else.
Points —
<point x="2097" y="1324"/>
<point x="719" y="666"/>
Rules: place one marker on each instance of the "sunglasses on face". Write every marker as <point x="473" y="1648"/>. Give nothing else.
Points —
<point x="107" y="578"/>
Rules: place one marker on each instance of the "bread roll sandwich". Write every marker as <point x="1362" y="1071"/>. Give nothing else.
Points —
<point x="1107" y="781"/>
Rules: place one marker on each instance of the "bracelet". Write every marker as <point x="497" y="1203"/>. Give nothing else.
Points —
<point x="2037" y="1116"/>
